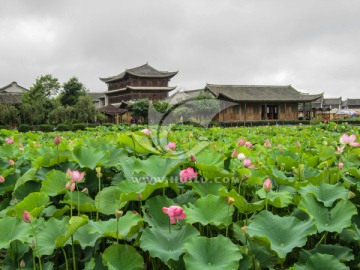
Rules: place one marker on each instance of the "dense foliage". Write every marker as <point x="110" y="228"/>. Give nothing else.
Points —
<point x="221" y="198"/>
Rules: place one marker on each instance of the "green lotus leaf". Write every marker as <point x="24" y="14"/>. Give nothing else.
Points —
<point x="327" y="153"/>
<point x="34" y="203"/>
<point x="206" y="188"/>
<point x="166" y="245"/>
<point x="282" y="234"/>
<point x="326" y="193"/>
<point x="153" y="214"/>
<point x="109" y="200"/>
<point x="48" y="157"/>
<point x="217" y="253"/>
<point x="340" y="252"/>
<point x="89" y="157"/>
<point x="13" y="229"/>
<point x="137" y="143"/>
<point x="333" y="220"/>
<point x="122" y="257"/>
<point x="211" y="209"/>
<point x="74" y="198"/>
<point x="47" y="234"/>
<point x="74" y="224"/>
<point x="321" y="262"/>
<point x="54" y="183"/>
<point x="129" y="225"/>
<point x="279" y="199"/>
<point x="241" y="204"/>
<point x="287" y="162"/>
<point x="130" y="190"/>
<point x="84" y="238"/>
<point x="28" y="176"/>
<point x="281" y="178"/>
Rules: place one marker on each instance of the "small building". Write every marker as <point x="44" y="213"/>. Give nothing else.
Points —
<point x="261" y="102"/>
<point x="143" y="82"/>
<point x="11" y="94"/>
<point x="351" y="104"/>
<point x="98" y="98"/>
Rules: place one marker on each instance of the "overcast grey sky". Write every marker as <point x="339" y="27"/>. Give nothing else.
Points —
<point x="313" y="45"/>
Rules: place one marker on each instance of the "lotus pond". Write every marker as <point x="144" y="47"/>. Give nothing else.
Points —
<point x="188" y="198"/>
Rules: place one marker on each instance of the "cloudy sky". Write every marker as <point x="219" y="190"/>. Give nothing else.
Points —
<point x="313" y="45"/>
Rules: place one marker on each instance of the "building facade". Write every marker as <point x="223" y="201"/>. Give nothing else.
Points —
<point x="11" y="94"/>
<point x="143" y="82"/>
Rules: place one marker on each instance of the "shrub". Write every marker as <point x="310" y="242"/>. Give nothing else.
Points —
<point x="25" y="128"/>
<point x="45" y="128"/>
<point x="79" y="126"/>
<point x="63" y="127"/>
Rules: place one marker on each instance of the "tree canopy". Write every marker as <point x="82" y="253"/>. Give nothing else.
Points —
<point x="72" y="90"/>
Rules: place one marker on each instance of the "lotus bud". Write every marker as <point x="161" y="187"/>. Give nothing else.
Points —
<point x="68" y="174"/>
<point x="340" y="165"/>
<point x="22" y="264"/>
<point x="27" y="217"/>
<point x="234" y="154"/>
<point x="241" y="156"/>
<point x="11" y="162"/>
<point x="244" y="229"/>
<point x="139" y="196"/>
<point x="191" y="134"/>
<point x="57" y="140"/>
<point x="2" y="179"/>
<point x="118" y="214"/>
<point x="230" y="200"/>
<point x="193" y="158"/>
<point x="267" y="186"/>
<point x="15" y="201"/>
<point x="85" y="190"/>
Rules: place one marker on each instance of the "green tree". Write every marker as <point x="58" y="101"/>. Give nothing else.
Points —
<point x="139" y="108"/>
<point x="161" y="106"/>
<point x="72" y="90"/>
<point x="37" y="103"/>
<point x="9" y="115"/>
<point x="85" y="109"/>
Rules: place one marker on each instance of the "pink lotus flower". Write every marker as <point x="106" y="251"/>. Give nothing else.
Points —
<point x="248" y="144"/>
<point x="340" y="149"/>
<point x="171" y="146"/>
<point x="27" y="217"/>
<point x="77" y="176"/>
<point x="350" y="140"/>
<point x="146" y="131"/>
<point x="247" y="163"/>
<point x="187" y="174"/>
<point x="9" y="141"/>
<point x="2" y="179"/>
<point x="241" y="156"/>
<point x="340" y="165"/>
<point x="267" y="143"/>
<point x="241" y="142"/>
<point x="57" y="140"/>
<point x="174" y="212"/>
<point x="74" y="176"/>
<point x="234" y="154"/>
<point x="70" y="186"/>
<point x="267" y="185"/>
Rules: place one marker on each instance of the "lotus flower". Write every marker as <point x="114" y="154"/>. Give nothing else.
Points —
<point x="70" y="186"/>
<point x="74" y="176"/>
<point x="146" y="131"/>
<point x="193" y="158"/>
<point x="2" y="179"/>
<point x="174" y="212"/>
<point x="187" y="174"/>
<point x="350" y="140"/>
<point x="248" y="144"/>
<point x="241" y="142"/>
<point x="241" y="156"/>
<point x="27" y="217"/>
<point x="234" y="154"/>
<point x="57" y="140"/>
<point x="9" y="141"/>
<point x="340" y="165"/>
<point x="11" y="162"/>
<point x="247" y="162"/>
<point x="171" y="146"/>
<point x="267" y="143"/>
<point x="267" y="186"/>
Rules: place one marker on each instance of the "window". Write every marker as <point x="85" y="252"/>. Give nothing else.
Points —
<point x="270" y="112"/>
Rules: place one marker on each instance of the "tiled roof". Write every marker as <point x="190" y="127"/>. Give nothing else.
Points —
<point x="257" y="93"/>
<point x="141" y="71"/>
<point x="332" y="101"/>
<point x="96" y="95"/>
<point x="151" y="88"/>
<point x="112" y="110"/>
<point x="353" y="102"/>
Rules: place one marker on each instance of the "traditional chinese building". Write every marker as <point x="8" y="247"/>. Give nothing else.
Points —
<point x="11" y="93"/>
<point x="261" y="102"/>
<point x="143" y="82"/>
